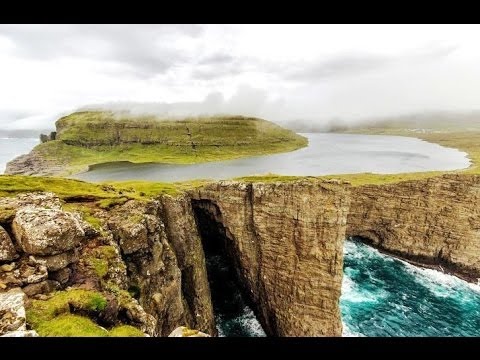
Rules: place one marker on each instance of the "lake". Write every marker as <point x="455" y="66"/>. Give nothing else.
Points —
<point x="326" y="154"/>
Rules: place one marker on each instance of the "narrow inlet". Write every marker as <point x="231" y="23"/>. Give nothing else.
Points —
<point x="232" y="309"/>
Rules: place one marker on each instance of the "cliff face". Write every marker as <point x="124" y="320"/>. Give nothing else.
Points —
<point x="434" y="221"/>
<point x="142" y="263"/>
<point x="287" y="242"/>
<point x="130" y="264"/>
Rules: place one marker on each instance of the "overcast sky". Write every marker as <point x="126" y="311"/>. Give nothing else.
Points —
<point x="279" y="72"/>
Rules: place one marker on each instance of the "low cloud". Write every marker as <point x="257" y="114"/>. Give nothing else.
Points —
<point x="311" y="74"/>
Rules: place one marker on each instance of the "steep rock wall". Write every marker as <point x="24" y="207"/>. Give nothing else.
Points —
<point x="287" y="241"/>
<point x="146" y="249"/>
<point x="434" y="221"/>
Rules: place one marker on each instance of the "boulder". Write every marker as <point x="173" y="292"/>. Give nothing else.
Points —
<point x="38" y="199"/>
<point x="12" y="311"/>
<point x="183" y="331"/>
<point x="137" y="316"/>
<point x="42" y="231"/>
<point x="7" y="250"/>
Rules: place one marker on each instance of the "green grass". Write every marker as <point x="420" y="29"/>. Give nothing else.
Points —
<point x="54" y="317"/>
<point x="88" y="138"/>
<point x="70" y="325"/>
<point x="353" y="179"/>
<point x="100" y="258"/>
<point x="11" y="185"/>
<point x="41" y="311"/>
<point x="126" y="331"/>
<point x="107" y="195"/>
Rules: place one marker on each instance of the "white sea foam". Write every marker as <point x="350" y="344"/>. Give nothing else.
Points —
<point x="351" y="292"/>
<point x="249" y="320"/>
<point x="347" y="332"/>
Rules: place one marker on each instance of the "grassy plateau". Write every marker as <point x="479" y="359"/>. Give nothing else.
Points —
<point x="94" y="137"/>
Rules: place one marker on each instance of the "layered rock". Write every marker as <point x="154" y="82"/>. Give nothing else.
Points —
<point x="153" y="239"/>
<point x="287" y="242"/>
<point x="434" y="221"/>
<point x="182" y="234"/>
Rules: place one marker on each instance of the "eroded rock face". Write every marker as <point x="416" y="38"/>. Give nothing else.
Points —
<point x="22" y="273"/>
<point x="433" y="221"/>
<point x="182" y="234"/>
<point x="42" y="231"/>
<point x="153" y="265"/>
<point x="287" y="239"/>
<point x="7" y="250"/>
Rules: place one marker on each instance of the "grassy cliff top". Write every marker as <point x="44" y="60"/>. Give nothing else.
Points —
<point x="92" y="128"/>
<point x="94" y="137"/>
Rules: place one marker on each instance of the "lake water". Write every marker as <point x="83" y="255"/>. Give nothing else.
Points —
<point x="11" y="148"/>
<point x="381" y="295"/>
<point x="326" y="154"/>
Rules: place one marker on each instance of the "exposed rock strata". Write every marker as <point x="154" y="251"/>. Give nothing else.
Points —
<point x="287" y="240"/>
<point x="434" y="221"/>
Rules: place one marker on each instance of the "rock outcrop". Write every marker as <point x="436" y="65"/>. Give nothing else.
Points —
<point x="287" y="242"/>
<point x="434" y="221"/>
<point x="43" y="231"/>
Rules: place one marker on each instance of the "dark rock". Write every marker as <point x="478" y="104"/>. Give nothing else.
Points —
<point x="62" y="275"/>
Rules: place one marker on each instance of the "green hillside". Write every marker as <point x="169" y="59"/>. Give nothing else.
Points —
<point x="87" y="138"/>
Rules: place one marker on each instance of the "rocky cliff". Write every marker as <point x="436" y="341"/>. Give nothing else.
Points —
<point x="287" y="242"/>
<point x="119" y="276"/>
<point x="433" y="221"/>
<point x="138" y="267"/>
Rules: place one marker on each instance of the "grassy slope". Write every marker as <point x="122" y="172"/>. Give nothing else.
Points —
<point x="87" y="138"/>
